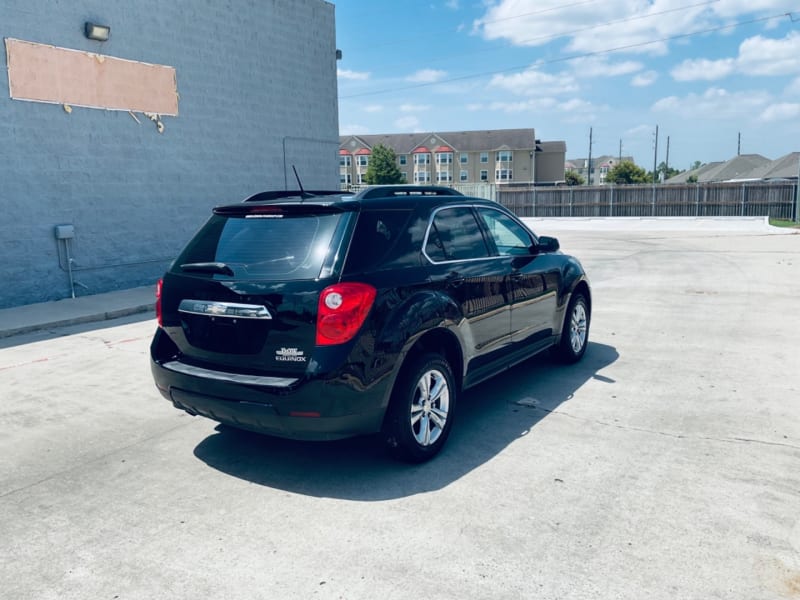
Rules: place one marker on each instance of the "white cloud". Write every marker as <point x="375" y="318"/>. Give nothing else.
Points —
<point x="475" y="106"/>
<point x="414" y="107"/>
<point x="427" y="76"/>
<point x="768" y="56"/>
<point x="640" y="130"/>
<point x="453" y="4"/>
<point x="632" y="25"/>
<point x="353" y="129"/>
<point x="536" y="104"/>
<point x="373" y="108"/>
<point x="780" y="112"/>
<point x="407" y="123"/>
<point x="715" y="103"/>
<point x="733" y="8"/>
<point x="644" y="79"/>
<point x="353" y="75"/>
<point x="535" y="82"/>
<point x="757" y="56"/>
<point x="703" y="69"/>
<point x="599" y="66"/>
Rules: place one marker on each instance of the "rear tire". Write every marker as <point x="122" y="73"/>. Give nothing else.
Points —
<point x="421" y="412"/>
<point x="575" y="332"/>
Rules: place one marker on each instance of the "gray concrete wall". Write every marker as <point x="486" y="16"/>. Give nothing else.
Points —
<point x="257" y="86"/>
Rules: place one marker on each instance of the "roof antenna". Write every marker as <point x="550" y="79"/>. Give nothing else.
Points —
<point x="303" y="193"/>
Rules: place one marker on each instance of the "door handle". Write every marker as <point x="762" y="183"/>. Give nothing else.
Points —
<point x="454" y="279"/>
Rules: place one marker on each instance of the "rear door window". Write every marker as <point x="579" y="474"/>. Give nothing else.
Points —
<point x="454" y="234"/>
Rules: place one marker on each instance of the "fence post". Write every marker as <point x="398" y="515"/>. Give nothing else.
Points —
<point x="654" y="201"/>
<point x="696" y="199"/>
<point x="571" y="191"/>
<point x="611" y="202"/>
<point x="744" y="192"/>
<point x="534" y="201"/>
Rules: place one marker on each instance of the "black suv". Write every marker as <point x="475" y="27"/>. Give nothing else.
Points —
<point x="323" y="315"/>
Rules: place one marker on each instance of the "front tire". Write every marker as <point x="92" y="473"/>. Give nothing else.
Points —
<point x="575" y="332"/>
<point x="421" y="411"/>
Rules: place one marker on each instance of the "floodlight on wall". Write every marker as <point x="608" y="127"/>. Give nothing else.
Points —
<point x="93" y="31"/>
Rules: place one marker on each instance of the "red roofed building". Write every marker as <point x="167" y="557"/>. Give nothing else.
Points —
<point x="503" y="156"/>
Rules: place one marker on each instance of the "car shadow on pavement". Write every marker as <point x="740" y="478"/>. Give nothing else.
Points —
<point x="490" y="417"/>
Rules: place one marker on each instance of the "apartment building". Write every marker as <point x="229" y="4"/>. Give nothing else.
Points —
<point x="503" y="156"/>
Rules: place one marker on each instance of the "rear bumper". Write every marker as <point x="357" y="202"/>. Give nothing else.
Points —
<point x="302" y="409"/>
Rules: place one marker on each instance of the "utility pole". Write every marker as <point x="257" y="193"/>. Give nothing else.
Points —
<point x="739" y="145"/>
<point x="589" y="164"/>
<point x="666" y="164"/>
<point x="655" y="156"/>
<point x="620" y="149"/>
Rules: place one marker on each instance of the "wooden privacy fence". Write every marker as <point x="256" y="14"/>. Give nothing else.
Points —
<point x="752" y="199"/>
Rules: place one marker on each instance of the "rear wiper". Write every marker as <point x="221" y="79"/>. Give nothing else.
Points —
<point x="208" y="267"/>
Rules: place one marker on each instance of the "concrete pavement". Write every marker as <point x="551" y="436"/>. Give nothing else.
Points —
<point x="662" y="466"/>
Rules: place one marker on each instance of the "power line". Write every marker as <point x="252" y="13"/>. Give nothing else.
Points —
<point x="566" y="58"/>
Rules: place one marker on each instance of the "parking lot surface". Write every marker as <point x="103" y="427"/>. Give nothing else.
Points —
<point x="665" y="465"/>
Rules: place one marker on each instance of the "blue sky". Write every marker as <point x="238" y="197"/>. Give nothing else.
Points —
<point x="704" y="72"/>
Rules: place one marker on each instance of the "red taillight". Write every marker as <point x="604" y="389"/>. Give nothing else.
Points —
<point x="341" y="311"/>
<point x="159" y="318"/>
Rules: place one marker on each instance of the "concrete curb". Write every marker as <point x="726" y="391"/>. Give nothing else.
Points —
<point x="79" y="320"/>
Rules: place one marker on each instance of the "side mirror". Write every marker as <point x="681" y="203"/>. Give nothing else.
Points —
<point x="547" y="244"/>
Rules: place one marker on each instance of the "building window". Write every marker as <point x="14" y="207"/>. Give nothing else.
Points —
<point x="484" y="175"/>
<point x="505" y="156"/>
<point x="464" y="175"/>
<point x="422" y="159"/>
<point x="421" y="176"/>
<point x="404" y="176"/>
<point x="361" y="178"/>
<point x="345" y="160"/>
<point x="403" y="159"/>
<point x="444" y="176"/>
<point x="444" y="158"/>
<point x="345" y="179"/>
<point x="503" y="175"/>
<point x="464" y="158"/>
<point x="484" y="157"/>
<point x="363" y="160"/>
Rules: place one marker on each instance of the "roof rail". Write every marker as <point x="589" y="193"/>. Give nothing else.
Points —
<point x="392" y="191"/>
<point x="278" y="194"/>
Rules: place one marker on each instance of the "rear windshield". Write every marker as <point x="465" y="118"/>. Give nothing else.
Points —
<point x="253" y="247"/>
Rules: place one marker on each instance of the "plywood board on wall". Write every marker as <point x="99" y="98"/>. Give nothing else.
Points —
<point x="43" y="73"/>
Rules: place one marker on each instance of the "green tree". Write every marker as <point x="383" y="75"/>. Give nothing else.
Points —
<point x="573" y="178"/>
<point x="382" y="168"/>
<point x="665" y="172"/>
<point x="691" y="179"/>
<point x="695" y="165"/>
<point x="627" y="172"/>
